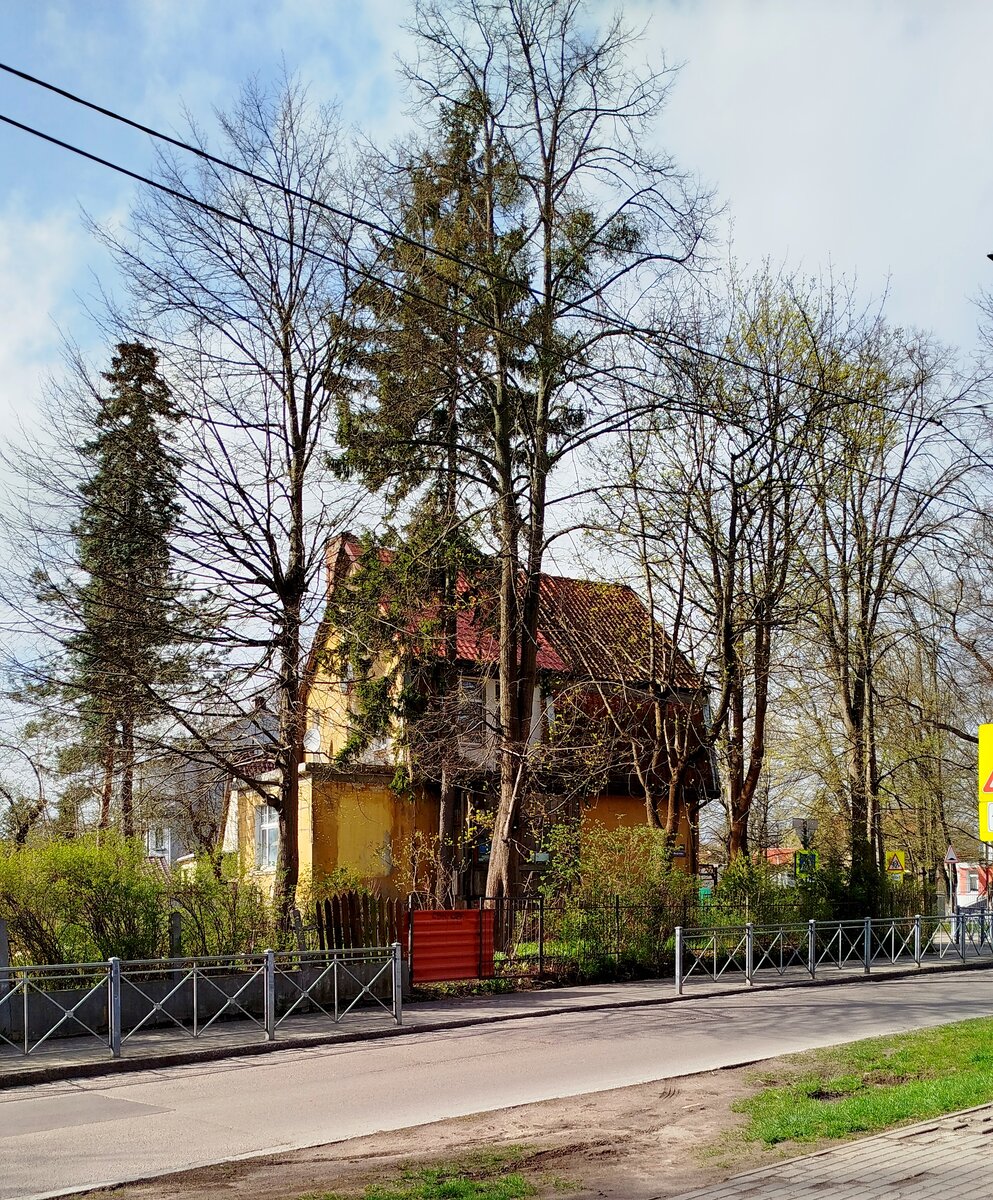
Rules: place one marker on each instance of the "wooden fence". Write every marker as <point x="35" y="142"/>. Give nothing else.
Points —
<point x="438" y="945"/>
<point x="353" y="921"/>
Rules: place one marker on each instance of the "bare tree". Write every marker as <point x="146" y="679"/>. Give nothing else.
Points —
<point x="892" y="477"/>
<point x="709" y="501"/>
<point x="250" y="320"/>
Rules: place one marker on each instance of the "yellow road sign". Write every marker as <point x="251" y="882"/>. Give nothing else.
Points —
<point x="986" y="783"/>
<point x="896" y="862"/>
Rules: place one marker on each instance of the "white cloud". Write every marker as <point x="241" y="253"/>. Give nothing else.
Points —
<point x="850" y="133"/>
<point x="39" y="258"/>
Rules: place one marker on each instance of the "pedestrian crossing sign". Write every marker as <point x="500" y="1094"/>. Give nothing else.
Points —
<point x="986" y="783"/>
<point x="896" y="864"/>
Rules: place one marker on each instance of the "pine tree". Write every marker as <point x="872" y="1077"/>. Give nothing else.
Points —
<point x="418" y="432"/>
<point x="125" y="630"/>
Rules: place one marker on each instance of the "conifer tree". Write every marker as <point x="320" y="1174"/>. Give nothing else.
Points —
<point x="124" y="628"/>
<point x="559" y="222"/>
<point x="416" y="433"/>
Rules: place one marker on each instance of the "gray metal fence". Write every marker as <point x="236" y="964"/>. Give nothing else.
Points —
<point x="113" y="1001"/>
<point x="749" y="950"/>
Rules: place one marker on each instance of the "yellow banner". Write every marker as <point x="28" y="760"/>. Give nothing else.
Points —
<point x="986" y="783"/>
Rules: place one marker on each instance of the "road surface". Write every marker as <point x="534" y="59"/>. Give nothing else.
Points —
<point x="62" y="1137"/>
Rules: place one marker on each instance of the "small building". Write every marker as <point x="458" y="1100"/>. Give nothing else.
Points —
<point x="971" y="883"/>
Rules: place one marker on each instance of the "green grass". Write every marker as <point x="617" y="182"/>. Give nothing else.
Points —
<point x="483" y="1175"/>
<point x="866" y="1086"/>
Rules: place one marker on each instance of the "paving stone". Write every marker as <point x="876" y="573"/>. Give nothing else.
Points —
<point x="949" y="1158"/>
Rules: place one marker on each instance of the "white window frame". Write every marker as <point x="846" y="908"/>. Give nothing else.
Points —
<point x="266" y="837"/>
<point x="471" y="712"/>
<point x="159" y="841"/>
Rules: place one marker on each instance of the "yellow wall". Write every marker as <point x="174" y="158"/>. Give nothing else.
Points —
<point x="247" y="803"/>
<point x="360" y="825"/>
<point x="615" y="812"/>
<point x="329" y="706"/>
<point x="329" y="712"/>
<point x="355" y="823"/>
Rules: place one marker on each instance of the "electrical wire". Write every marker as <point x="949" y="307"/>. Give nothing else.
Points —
<point x="383" y="231"/>
<point x="394" y="285"/>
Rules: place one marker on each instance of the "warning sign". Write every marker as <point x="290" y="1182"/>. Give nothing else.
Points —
<point x="986" y="783"/>
<point x="896" y="862"/>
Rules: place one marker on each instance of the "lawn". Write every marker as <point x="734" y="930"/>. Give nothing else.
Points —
<point x="868" y="1086"/>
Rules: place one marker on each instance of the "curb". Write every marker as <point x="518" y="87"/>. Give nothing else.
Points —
<point x="154" y="1062"/>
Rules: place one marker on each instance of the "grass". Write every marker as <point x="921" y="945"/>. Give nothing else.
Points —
<point x="867" y="1086"/>
<point x="482" y="1175"/>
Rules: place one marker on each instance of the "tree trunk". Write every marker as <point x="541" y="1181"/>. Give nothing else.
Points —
<point x="501" y="877"/>
<point x="127" y="776"/>
<point x="109" y="756"/>
<point x="864" y="877"/>
<point x="444" y="884"/>
<point x="502" y="874"/>
<point x="288" y="759"/>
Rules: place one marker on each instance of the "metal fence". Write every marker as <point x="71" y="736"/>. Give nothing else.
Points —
<point x="535" y="936"/>
<point x="114" y="1000"/>
<point x="749" y="950"/>
<point x="538" y="936"/>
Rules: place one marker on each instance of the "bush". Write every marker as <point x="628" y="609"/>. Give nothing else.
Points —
<point x="86" y="900"/>
<point x="591" y="871"/>
<point x="633" y="862"/>
<point x="82" y="901"/>
<point x="223" y="916"/>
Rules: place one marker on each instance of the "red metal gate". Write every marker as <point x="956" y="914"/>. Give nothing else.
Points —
<point x="451" y="945"/>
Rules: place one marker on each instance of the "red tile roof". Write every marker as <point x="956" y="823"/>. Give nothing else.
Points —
<point x="780" y="856"/>
<point x="605" y="631"/>
<point x="587" y="629"/>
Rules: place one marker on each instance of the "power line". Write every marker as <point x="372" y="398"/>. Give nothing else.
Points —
<point x="395" y="286"/>
<point x="395" y="234"/>
<point x="234" y="219"/>
<point x="216" y="160"/>
<point x="243" y="222"/>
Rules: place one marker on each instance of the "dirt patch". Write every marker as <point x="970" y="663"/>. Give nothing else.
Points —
<point x="655" y="1140"/>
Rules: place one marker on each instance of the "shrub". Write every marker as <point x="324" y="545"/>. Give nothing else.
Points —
<point x="633" y="862"/>
<point x="224" y="916"/>
<point x="82" y="900"/>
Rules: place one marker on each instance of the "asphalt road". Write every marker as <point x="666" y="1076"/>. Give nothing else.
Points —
<point x="62" y="1137"/>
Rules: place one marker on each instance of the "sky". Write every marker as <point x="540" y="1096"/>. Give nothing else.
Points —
<point x="849" y="135"/>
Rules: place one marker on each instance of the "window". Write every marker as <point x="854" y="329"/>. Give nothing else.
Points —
<point x="158" y="841"/>
<point x="973" y="881"/>
<point x="470" y="710"/>
<point x="266" y="837"/>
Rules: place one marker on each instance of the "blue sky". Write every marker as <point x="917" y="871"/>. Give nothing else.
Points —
<point x="851" y="134"/>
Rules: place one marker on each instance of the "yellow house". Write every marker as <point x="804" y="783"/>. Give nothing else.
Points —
<point x="359" y="823"/>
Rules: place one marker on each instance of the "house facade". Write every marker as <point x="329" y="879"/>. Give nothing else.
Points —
<point x="372" y="816"/>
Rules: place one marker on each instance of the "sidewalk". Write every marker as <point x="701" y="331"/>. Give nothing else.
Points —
<point x="948" y="1157"/>
<point x="72" y="1058"/>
